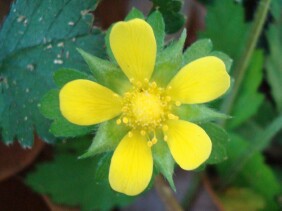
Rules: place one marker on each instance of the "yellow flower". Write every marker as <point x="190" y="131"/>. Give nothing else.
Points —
<point x="146" y="109"/>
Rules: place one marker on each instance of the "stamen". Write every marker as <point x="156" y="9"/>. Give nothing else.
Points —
<point x="165" y="128"/>
<point x="118" y="121"/>
<point x="143" y="132"/>
<point x="165" y="138"/>
<point x="130" y="134"/>
<point x="125" y="120"/>
<point x="178" y="103"/>
<point x="149" y="143"/>
<point x="154" y="140"/>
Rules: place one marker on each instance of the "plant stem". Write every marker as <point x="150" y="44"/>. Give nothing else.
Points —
<point x="240" y="69"/>
<point x="166" y="195"/>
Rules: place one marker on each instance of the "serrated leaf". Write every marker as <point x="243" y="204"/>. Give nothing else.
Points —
<point x="60" y="127"/>
<point x="219" y="139"/>
<point x="106" y="73"/>
<point x="164" y="162"/>
<point x="198" y="113"/>
<point x="169" y="61"/>
<point x="156" y="21"/>
<point x="226" y="27"/>
<point x="108" y="136"/>
<point x="255" y="173"/>
<point x="33" y="45"/>
<point x="134" y="13"/>
<point x="70" y="181"/>
<point x="170" y="10"/>
<point x="249" y="99"/>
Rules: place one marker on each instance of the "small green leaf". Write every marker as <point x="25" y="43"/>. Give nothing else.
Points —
<point x="134" y="13"/>
<point x="106" y="73"/>
<point x="60" y="127"/>
<point x="169" y="61"/>
<point x="197" y="50"/>
<point x="70" y="181"/>
<point x="219" y="139"/>
<point x="164" y="162"/>
<point x="198" y="113"/>
<point x="63" y="76"/>
<point x="106" y="139"/>
<point x="170" y="10"/>
<point x="249" y="99"/>
<point x="102" y="169"/>
<point x="156" y="21"/>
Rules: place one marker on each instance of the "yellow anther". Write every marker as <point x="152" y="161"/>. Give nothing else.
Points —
<point x="171" y="116"/>
<point x="125" y="120"/>
<point x="116" y="95"/>
<point x="165" y="138"/>
<point x="168" y="98"/>
<point x="165" y="128"/>
<point x="154" y="84"/>
<point x="154" y="140"/>
<point x="146" y="80"/>
<point x="118" y="121"/>
<point x="131" y="80"/>
<point x="130" y="134"/>
<point x="149" y="143"/>
<point x="178" y="103"/>
<point x="169" y="87"/>
<point x="143" y="132"/>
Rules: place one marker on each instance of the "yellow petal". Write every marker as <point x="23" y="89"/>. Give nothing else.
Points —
<point x="85" y="102"/>
<point x="189" y="144"/>
<point x="132" y="165"/>
<point x="200" y="81"/>
<point x="134" y="47"/>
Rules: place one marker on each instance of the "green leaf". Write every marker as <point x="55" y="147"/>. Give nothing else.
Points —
<point x="63" y="76"/>
<point x="102" y="169"/>
<point x="198" y="113"/>
<point x="107" y="138"/>
<point x="253" y="173"/>
<point x="156" y="21"/>
<point x="106" y="73"/>
<point x="60" y="127"/>
<point x="33" y="45"/>
<point x="70" y="181"/>
<point x="226" y="27"/>
<point x="249" y="99"/>
<point x="236" y="198"/>
<point x="134" y="13"/>
<point x="197" y="50"/>
<point x="219" y="139"/>
<point x="274" y="62"/>
<point x="163" y="161"/>
<point x="170" y="10"/>
<point x="169" y="61"/>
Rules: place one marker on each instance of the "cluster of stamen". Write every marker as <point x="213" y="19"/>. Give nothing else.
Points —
<point x="146" y="107"/>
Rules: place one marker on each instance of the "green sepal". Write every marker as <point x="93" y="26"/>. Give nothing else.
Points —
<point x="163" y="161"/>
<point x="106" y="73"/>
<point x="198" y="113"/>
<point x="60" y="127"/>
<point x="157" y="23"/>
<point x="219" y="139"/>
<point x="108" y="136"/>
<point x="169" y="61"/>
<point x="197" y="50"/>
<point x="202" y="48"/>
<point x="134" y="13"/>
<point x="64" y="75"/>
<point x="102" y="169"/>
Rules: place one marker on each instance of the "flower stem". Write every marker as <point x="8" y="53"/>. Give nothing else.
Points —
<point x="240" y="69"/>
<point x="166" y="195"/>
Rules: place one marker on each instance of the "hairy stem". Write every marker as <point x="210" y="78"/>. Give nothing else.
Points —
<point x="240" y="69"/>
<point x="166" y="195"/>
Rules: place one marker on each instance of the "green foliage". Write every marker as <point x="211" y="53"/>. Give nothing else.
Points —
<point x="226" y="27"/>
<point x="69" y="181"/>
<point x="253" y="173"/>
<point x="219" y="139"/>
<point x="134" y="13"/>
<point x="170" y="10"/>
<point x="50" y="108"/>
<point x="27" y="62"/>
<point x="249" y="99"/>
<point x="274" y="62"/>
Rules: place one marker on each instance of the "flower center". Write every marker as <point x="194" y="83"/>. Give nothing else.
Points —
<point x="146" y="107"/>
